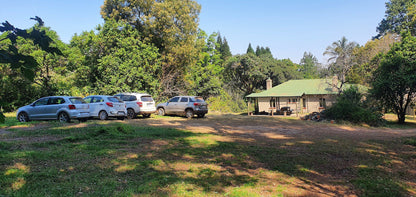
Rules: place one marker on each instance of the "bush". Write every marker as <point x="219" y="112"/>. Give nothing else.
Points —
<point x="350" y="107"/>
<point x="226" y="103"/>
<point x="2" y="117"/>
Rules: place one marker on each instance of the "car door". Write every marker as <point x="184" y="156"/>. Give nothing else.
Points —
<point x="183" y="103"/>
<point x="98" y="105"/>
<point x="37" y="109"/>
<point x="54" y="104"/>
<point x="171" y="105"/>
<point x="92" y="105"/>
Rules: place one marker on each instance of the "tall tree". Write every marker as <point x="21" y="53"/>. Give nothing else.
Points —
<point x="367" y="58"/>
<point x="225" y="50"/>
<point x="394" y="83"/>
<point x="115" y="60"/>
<point x="309" y="66"/>
<point x="205" y="77"/>
<point x="400" y="15"/>
<point x="250" y="49"/>
<point x="340" y="59"/>
<point x="170" y="25"/>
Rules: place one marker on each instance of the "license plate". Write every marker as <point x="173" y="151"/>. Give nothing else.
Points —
<point x="149" y="104"/>
<point x="120" y="113"/>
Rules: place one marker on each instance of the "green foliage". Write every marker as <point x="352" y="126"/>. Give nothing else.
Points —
<point x="340" y="58"/>
<point x="115" y="60"/>
<point x="309" y="66"/>
<point x="367" y="58"/>
<point x="204" y="79"/>
<point x="349" y="107"/>
<point x="250" y="49"/>
<point x="400" y="16"/>
<point x="226" y="103"/>
<point x="31" y="64"/>
<point x="395" y="79"/>
<point x="223" y="48"/>
<point x="170" y="26"/>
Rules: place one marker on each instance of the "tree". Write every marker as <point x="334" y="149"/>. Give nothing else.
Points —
<point x="170" y="25"/>
<point x="245" y="73"/>
<point x="367" y="58"/>
<point x="205" y="78"/>
<point x="394" y="83"/>
<point x="115" y="60"/>
<point x="309" y="66"/>
<point x="223" y="48"/>
<point x="29" y="60"/>
<point x="400" y="15"/>
<point x="340" y="59"/>
<point x="250" y="49"/>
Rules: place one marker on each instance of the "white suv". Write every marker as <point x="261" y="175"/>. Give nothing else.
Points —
<point x="138" y="103"/>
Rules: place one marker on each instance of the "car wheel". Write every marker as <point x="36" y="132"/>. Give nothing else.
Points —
<point x="201" y="115"/>
<point x="103" y="115"/>
<point x="120" y="118"/>
<point x="161" y="112"/>
<point x="23" y="117"/>
<point x="189" y="113"/>
<point x="130" y="113"/>
<point x="146" y="115"/>
<point x="64" y="117"/>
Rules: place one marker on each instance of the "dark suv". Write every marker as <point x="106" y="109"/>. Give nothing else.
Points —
<point x="184" y="105"/>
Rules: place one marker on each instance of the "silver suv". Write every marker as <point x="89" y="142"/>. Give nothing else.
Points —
<point x="63" y="108"/>
<point x="138" y="104"/>
<point x="184" y="105"/>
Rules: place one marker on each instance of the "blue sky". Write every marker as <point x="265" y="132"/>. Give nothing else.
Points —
<point x="289" y="28"/>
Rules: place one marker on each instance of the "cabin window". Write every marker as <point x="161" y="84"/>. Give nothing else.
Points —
<point x="293" y="101"/>
<point x="322" y="103"/>
<point x="304" y="103"/>
<point x="272" y="102"/>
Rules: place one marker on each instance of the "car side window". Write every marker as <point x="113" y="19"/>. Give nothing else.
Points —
<point x="174" y="99"/>
<point x="97" y="100"/>
<point x="184" y="100"/>
<point x="43" y="101"/>
<point x="88" y="99"/>
<point x="56" y="101"/>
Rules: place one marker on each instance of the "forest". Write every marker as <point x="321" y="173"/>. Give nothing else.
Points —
<point x="157" y="47"/>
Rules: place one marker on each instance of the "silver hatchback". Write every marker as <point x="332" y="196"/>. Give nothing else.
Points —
<point x="63" y="108"/>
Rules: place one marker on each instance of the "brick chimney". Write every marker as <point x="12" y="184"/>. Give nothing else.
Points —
<point x="268" y="83"/>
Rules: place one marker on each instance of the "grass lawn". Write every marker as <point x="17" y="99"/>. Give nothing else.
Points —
<point x="221" y="155"/>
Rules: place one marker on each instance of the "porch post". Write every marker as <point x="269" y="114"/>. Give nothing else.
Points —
<point x="248" y="107"/>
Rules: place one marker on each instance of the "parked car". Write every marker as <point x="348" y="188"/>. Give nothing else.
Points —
<point x="62" y="108"/>
<point x="138" y="104"/>
<point x="103" y="106"/>
<point x="184" y="105"/>
<point x="283" y="110"/>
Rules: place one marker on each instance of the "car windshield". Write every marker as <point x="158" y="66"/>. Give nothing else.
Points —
<point x="197" y="99"/>
<point x="77" y="100"/>
<point x="147" y="98"/>
<point x="114" y="99"/>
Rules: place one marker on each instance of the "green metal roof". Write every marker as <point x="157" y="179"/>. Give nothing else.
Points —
<point x="296" y="88"/>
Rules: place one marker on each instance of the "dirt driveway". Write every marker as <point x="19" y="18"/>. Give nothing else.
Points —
<point x="305" y="158"/>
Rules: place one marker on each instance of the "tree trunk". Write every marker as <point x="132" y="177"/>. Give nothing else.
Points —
<point x="401" y="116"/>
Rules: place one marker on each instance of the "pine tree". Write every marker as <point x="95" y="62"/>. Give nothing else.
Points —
<point x="250" y="49"/>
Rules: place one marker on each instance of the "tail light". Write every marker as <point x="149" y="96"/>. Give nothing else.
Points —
<point x="71" y="107"/>
<point x="109" y="104"/>
<point x="196" y="104"/>
<point x="140" y="104"/>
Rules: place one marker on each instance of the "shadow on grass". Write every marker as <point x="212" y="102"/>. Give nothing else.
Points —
<point x="120" y="159"/>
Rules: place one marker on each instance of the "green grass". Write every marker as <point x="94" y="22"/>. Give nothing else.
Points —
<point x="117" y="159"/>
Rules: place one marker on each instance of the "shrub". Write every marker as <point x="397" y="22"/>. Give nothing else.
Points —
<point x="350" y="107"/>
<point x="226" y="103"/>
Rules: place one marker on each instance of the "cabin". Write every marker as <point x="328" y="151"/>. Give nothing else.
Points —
<point x="302" y="96"/>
